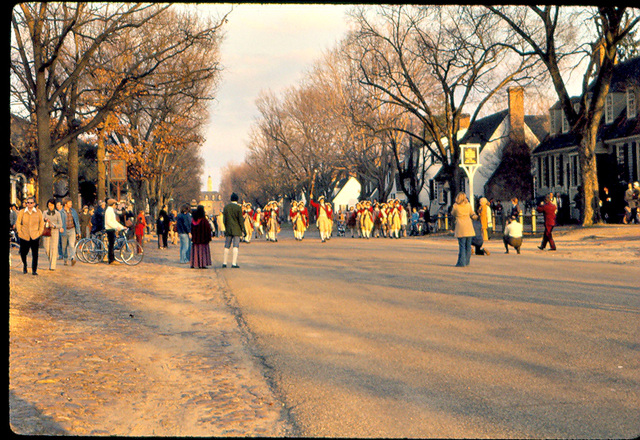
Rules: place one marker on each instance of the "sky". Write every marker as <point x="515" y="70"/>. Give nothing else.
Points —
<point x="267" y="47"/>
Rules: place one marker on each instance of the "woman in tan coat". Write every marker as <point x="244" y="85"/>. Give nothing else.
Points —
<point x="464" y="231"/>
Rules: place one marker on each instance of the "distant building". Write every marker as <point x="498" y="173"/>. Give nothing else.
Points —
<point x="346" y="194"/>
<point x="211" y="200"/>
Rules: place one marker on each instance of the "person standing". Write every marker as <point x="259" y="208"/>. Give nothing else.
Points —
<point x="30" y="225"/>
<point x="632" y="197"/>
<point x="162" y="228"/>
<point x="85" y="222"/>
<point x="71" y="231"/>
<point x="483" y="214"/>
<point x="512" y="235"/>
<point x="515" y="208"/>
<point x="548" y="210"/>
<point x="200" y="239"/>
<point x="141" y="226"/>
<point x="233" y="230"/>
<point x="183" y="228"/>
<point x="464" y="231"/>
<point x="111" y="226"/>
<point x="52" y="220"/>
<point x="97" y="219"/>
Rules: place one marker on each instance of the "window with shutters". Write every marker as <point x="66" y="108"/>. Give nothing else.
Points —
<point x="608" y="109"/>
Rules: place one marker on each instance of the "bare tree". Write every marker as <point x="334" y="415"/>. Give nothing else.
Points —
<point x="118" y="35"/>
<point x="601" y="32"/>
<point x="434" y="62"/>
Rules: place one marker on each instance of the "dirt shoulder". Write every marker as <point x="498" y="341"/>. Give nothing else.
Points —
<point x="150" y="350"/>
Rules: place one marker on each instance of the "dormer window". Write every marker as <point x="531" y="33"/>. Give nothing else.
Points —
<point x="632" y="104"/>
<point x="608" y="109"/>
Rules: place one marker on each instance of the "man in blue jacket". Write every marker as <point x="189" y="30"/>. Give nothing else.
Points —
<point x="70" y="230"/>
<point x="183" y="228"/>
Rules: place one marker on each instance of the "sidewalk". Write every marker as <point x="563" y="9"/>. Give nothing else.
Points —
<point x="149" y="350"/>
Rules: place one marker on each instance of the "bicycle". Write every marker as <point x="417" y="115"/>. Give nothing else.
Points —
<point x="94" y="249"/>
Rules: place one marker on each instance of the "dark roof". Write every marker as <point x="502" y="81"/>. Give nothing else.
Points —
<point x="481" y="130"/>
<point x="625" y="73"/>
<point x="538" y="125"/>
<point x="620" y="128"/>
<point x="552" y="143"/>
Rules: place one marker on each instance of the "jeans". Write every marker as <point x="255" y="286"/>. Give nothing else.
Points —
<point x="185" y="248"/>
<point x="68" y="240"/>
<point x="464" y="251"/>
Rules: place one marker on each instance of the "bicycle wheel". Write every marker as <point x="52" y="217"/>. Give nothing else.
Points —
<point x="131" y="252"/>
<point x="78" y="252"/>
<point x="93" y="251"/>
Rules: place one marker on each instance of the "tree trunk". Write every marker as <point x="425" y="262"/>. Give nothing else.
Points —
<point x="45" y="155"/>
<point x="588" y="164"/>
<point x="102" y="172"/>
<point x="72" y="172"/>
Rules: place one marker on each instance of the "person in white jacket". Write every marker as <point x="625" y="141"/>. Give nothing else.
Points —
<point x="111" y="225"/>
<point x="512" y="234"/>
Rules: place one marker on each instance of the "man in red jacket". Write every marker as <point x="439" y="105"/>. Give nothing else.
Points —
<point x="548" y="209"/>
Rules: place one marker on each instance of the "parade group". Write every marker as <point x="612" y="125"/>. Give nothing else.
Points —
<point x="365" y="219"/>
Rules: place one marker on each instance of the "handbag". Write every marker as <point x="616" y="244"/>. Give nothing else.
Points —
<point x="46" y="232"/>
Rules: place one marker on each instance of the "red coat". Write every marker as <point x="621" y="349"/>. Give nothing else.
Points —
<point x="141" y="224"/>
<point x="549" y="212"/>
<point x="305" y="215"/>
<point x="318" y="207"/>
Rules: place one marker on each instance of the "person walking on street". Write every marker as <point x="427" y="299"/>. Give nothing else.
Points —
<point x="233" y="230"/>
<point x="464" y="231"/>
<point x="200" y="238"/>
<point x="632" y="198"/>
<point x="70" y="231"/>
<point x="512" y="235"/>
<point x="323" y="216"/>
<point x="183" y="227"/>
<point x="30" y="225"/>
<point x="162" y="228"/>
<point x="548" y="210"/>
<point x="111" y="226"/>
<point x="52" y="220"/>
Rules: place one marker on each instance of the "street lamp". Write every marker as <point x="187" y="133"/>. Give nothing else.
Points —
<point x="470" y="161"/>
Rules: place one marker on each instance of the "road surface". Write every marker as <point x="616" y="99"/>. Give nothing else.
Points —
<point x="386" y="338"/>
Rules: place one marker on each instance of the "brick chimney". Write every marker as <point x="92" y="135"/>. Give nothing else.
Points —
<point x="516" y="114"/>
<point x="464" y="121"/>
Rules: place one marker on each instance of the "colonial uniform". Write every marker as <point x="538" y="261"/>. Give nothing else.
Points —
<point x="247" y="215"/>
<point x="366" y="219"/>
<point x="323" y="216"/>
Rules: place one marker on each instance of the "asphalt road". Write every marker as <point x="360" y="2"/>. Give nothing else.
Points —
<point x="386" y="338"/>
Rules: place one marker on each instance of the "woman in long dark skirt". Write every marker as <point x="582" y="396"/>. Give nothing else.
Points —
<point x="200" y="239"/>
